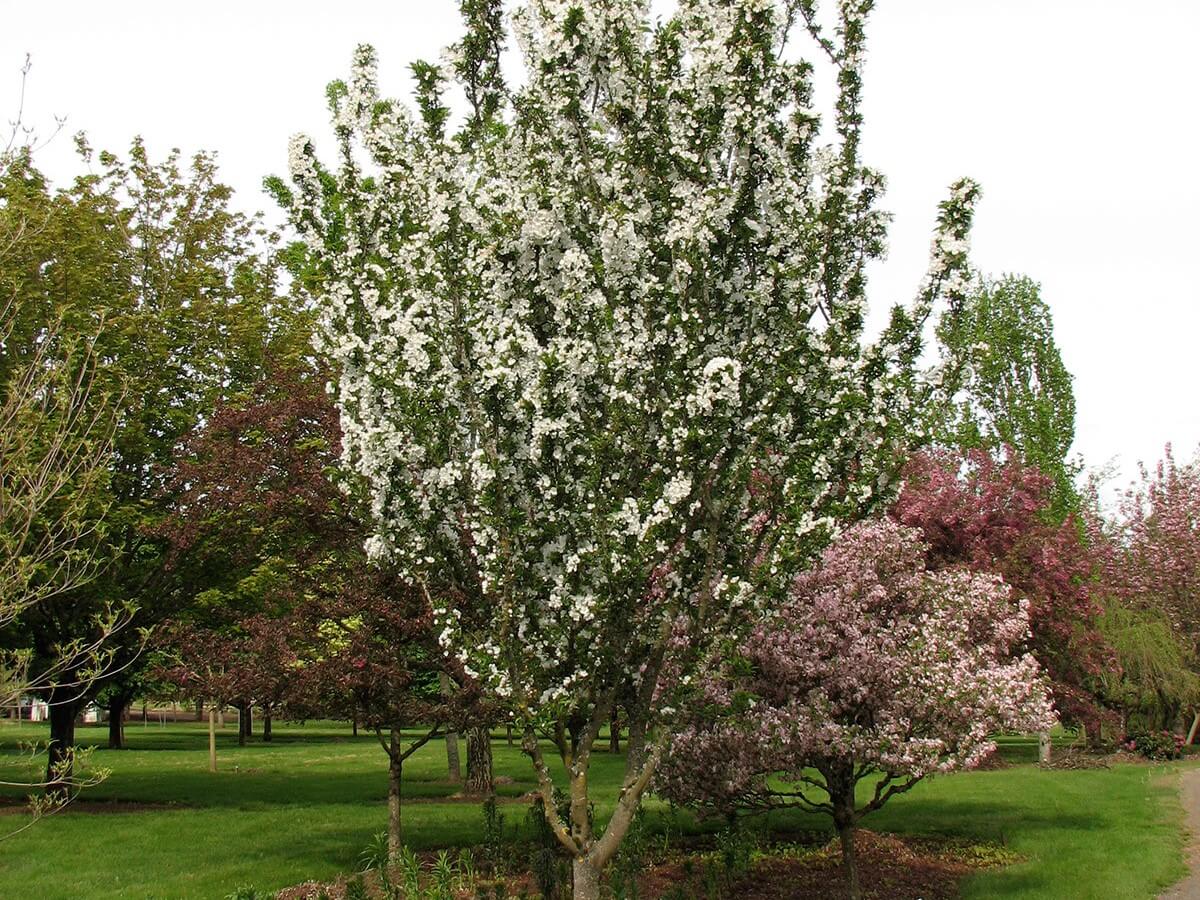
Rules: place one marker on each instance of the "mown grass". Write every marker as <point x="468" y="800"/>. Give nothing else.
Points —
<point x="305" y="805"/>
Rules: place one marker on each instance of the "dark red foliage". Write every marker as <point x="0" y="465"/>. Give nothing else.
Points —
<point x="253" y="662"/>
<point x="369" y="650"/>
<point x="325" y="633"/>
<point x="256" y="479"/>
<point x="995" y="516"/>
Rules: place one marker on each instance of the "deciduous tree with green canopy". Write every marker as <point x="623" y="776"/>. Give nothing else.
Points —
<point x="179" y="292"/>
<point x="1014" y="393"/>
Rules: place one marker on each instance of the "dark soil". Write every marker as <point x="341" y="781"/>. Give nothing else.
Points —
<point x="890" y="868"/>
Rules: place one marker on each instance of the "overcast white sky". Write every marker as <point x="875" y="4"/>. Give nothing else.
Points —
<point x="1079" y="117"/>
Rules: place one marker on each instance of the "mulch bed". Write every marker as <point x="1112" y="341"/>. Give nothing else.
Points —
<point x="890" y="868"/>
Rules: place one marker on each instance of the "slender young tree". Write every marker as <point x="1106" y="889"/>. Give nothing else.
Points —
<point x="599" y="347"/>
<point x="373" y="647"/>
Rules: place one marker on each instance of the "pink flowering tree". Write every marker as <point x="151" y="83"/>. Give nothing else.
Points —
<point x="1160" y="562"/>
<point x="571" y="326"/>
<point x="875" y="670"/>
<point x="997" y="515"/>
<point x="1151" y="579"/>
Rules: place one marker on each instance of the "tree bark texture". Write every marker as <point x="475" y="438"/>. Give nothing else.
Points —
<point x="479" y="762"/>
<point x="585" y="880"/>
<point x="116" y="722"/>
<point x="452" y="762"/>
<point x="212" y="739"/>
<point x="1044" y="747"/>
<point x="840" y="782"/>
<point x="61" y="749"/>
<point x="266" y="725"/>
<point x="395" y="775"/>
<point x="850" y="862"/>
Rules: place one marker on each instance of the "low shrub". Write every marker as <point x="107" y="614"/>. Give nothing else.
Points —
<point x="1157" y="745"/>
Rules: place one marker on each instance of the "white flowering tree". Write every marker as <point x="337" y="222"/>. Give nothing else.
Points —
<point x="600" y="344"/>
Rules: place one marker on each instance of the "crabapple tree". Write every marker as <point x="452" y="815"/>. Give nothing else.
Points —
<point x="600" y="348"/>
<point x="875" y="669"/>
<point x="1151" y="575"/>
<point x="999" y="516"/>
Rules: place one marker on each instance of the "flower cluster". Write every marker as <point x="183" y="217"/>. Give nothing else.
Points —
<point x="566" y="340"/>
<point x="875" y="668"/>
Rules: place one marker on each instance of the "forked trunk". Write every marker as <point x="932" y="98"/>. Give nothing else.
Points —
<point x="395" y="774"/>
<point x="479" y="762"/>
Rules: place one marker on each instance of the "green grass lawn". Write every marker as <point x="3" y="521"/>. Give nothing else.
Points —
<point x="304" y="806"/>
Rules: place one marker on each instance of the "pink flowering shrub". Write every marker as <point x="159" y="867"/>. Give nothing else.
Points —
<point x="876" y="669"/>
<point x="1159" y="745"/>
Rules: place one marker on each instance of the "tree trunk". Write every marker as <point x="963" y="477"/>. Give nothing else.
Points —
<point x="116" y="722"/>
<point x="266" y="724"/>
<point x="243" y="723"/>
<point x="508" y="733"/>
<point x="395" y="775"/>
<point x="452" y="763"/>
<point x="479" y="762"/>
<point x="585" y="880"/>
<point x="60" y="752"/>
<point x="614" y="731"/>
<point x="850" y="862"/>
<point x="212" y="739"/>
<point x="199" y="710"/>
<point x="1044" y="747"/>
<point x="354" y="727"/>
<point x="840" y="782"/>
<point x="1191" y="735"/>
<point x="221" y="717"/>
